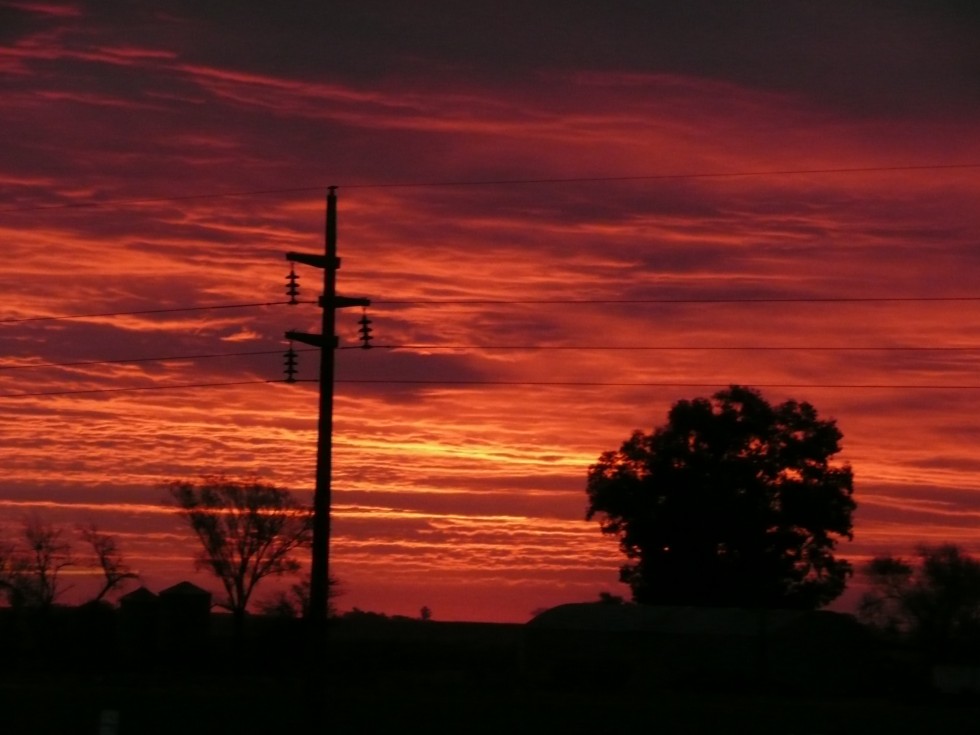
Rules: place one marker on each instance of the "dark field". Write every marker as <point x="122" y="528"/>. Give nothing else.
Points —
<point x="410" y="676"/>
<point x="254" y="705"/>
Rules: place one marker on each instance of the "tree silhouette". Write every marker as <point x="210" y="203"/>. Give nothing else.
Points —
<point x="935" y="602"/>
<point x="248" y="531"/>
<point x="295" y="602"/>
<point x="30" y="577"/>
<point x="732" y="503"/>
<point x="7" y="571"/>
<point x="115" y="572"/>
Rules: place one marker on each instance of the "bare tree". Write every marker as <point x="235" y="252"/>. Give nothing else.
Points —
<point x="30" y="577"/>
<point x="248" y="531"/>
<point x="108" y="558"/>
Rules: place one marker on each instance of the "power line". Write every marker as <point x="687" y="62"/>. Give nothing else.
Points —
<point x="515" y="302"/>
<point x="646" y="384"/>
<point x="663" y="177"/>
<point x="529" y="348"/>
<point x="682" y="348"/>
<point x="488" y="182"/>
<point x="166" y="358"/>
<point x="141" y="312"/>
<point x="91" y="391"/>
<point x="161" y="199"/>
<point x="507" y="383"/>
<point x="761" y="300"/>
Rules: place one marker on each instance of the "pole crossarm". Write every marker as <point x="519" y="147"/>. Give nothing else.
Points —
<point x="317" y="261"/>
<point x="316" y="340"/>
<point x="344" y="302"/>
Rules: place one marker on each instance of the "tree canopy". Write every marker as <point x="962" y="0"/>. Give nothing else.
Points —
<point x="734" y="502"/>
<point x="935" y="601"/>
<point x="248" y="531"/>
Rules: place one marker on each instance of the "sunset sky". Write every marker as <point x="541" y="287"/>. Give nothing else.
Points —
<point x="566" y="221"/>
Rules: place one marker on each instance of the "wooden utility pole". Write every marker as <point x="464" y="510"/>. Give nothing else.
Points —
<point x="327" y="342"/>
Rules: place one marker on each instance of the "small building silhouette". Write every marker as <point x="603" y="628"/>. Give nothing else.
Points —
<point x="138" y="601"/>
<point x="139" y="613"/>
<point x="185" y="614"/>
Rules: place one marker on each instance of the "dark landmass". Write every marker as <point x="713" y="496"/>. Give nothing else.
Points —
<point x="70" y="671"/>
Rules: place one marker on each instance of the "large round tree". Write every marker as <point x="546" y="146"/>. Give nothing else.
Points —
<point x="734" y="502"/>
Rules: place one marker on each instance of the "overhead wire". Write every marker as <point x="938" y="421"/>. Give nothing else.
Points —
<point x="525" y="347"/>
<point x="142" y="312"/>
<point x="479" y="302"/>
<point x="628" y="302"/>
<point x="132" y="389"/>
<point x="164" y="358"/>
<point x="509" y="302"/>
<point x="681" y="348"/>
<point x="662" y="177"/>
<point x="506" y="383"/>
<point x="844" y="170"/>
<point x="642" y="384"/>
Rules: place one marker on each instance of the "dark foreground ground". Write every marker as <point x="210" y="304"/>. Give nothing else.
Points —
<point x="413" y="677"/>
<point x="191" y="705"/>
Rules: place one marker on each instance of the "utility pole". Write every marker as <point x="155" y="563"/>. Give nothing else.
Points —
<point x="327" y="342"/>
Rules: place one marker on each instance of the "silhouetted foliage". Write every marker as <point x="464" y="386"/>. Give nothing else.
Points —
<point x="732" y="503"/>
<point x="934" y="602"/>
<point x="608" y="598"/>
<point x="30" y="576"/>
<point x="7" y="572"/>
<point x="108" y="558"/>
<point x="884" y="607"/>
<point x="356" y="613"/>
<point x="295" y="602"/>
<point x="248" y="531"/>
